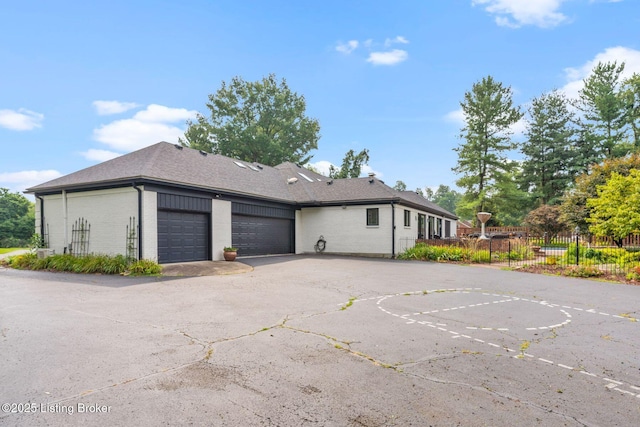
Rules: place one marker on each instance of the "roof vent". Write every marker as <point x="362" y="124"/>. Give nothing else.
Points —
<point x="372" y="174"/>
<point x="292" y="180"/>
<point x="330" y="182"/>
<point x="371" y="180"/>
<point x="259" y="166"/>
<point x="178" y="146"/>
<point x="204" y="153"/>
<point x="240" y="164"/>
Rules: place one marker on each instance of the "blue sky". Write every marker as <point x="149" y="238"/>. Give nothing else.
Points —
<point x="83" y="81"/>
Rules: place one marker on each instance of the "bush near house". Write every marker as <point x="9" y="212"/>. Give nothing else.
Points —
<point x="89" y="264"/>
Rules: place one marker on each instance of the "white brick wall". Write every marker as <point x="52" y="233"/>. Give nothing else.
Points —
<point x="345" y="230"/>
<point x="221" y="227"/>
<point x="107" y="212"/>
<point x="150" y="225"/>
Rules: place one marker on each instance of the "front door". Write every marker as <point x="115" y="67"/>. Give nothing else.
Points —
<point x="422" y="226"/>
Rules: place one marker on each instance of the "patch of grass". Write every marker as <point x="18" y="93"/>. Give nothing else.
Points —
<point x="348" y="304"/>
<point x="628" y="316"/>
<point x="7" y="250"/>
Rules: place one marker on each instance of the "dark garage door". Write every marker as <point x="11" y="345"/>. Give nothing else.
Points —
<point x="182" y="236"/>
<point x="261" y="236"/>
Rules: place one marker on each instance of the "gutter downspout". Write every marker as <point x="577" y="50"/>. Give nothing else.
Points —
<point x="41" y="219"/>
<point x="393" y="230"/>
<point x="139" y="219"/>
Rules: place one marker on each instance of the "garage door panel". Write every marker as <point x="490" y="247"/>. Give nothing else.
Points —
<point x="182" y="236"/>
<point x="262" y="236"/>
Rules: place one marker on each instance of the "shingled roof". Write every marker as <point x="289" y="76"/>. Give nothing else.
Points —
<point x="289" y="183"/>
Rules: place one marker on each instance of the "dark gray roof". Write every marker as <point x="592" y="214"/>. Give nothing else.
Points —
<point x="287" y="182"/>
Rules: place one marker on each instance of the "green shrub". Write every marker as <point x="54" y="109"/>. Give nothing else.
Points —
<point x="89" y="264"/>
<point x="582" y="271"/>
<point x="22" y="262"/>
<point x="144" y="267"/>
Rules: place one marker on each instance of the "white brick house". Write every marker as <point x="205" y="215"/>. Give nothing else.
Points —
<point x="187" y="205"/>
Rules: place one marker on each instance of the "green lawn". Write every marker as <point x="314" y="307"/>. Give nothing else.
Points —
<point x="7" y="250"/>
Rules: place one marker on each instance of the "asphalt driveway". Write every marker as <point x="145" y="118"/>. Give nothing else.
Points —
<point x="319" y="341"/>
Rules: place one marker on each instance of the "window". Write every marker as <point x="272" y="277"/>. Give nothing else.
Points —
<point x="372" y="216"/>
<point x="407" y="218"/>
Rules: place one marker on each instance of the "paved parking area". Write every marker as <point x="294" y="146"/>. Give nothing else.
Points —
<point x="319" y="341"/>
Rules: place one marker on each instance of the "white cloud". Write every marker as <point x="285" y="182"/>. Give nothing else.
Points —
<point x="516" y="13"/>
<point x="149" y="126"/>
<point x="347" y="47"/>
<point x="366" y="170"/>
<point x="322" y="167"/>
<point x="22" y="119"/>
<point x="456" y="116"/>
<point x="20" y="181"/>
<point x="99" y="155"/>
<point x="105" y="108"/>
<point x="575" y="76"/>
<point x="382" y="56"/>
<point x="397" y="39"/>
<point x="392" y="57"/>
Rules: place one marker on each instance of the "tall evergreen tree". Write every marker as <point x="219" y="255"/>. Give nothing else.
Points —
<point x="603" y="107"/>
<point x="631" y="97"/>
<point x="489" y="114"/>
<point x="548" y="160"/>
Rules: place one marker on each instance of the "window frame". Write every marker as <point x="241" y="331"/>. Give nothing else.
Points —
<point x="407" y="218"/>
<point x="373" y="217"/>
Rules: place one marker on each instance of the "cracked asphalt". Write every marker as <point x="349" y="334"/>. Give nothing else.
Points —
<point x="319" y="341"/>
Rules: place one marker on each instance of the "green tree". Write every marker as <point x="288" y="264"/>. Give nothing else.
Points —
<point x="446" y="198"/>
<point x="17" y="219"/>
<point x="546" y="221"/>
<point x="574" y="206"/>
<point x="631" y="99"/>
<point x="615" y="212"/>
<point x="548" y="160"/>
<point x="603" y="107"/>
<point x="351" y="165"/>
<point x="400" y="186"/>
<point x="489" y="114"/>
<point x="508" y="202"/>
<point x="262" y="121"/>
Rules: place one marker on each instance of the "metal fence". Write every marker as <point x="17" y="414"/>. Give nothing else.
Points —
<point x="597" y="255"/>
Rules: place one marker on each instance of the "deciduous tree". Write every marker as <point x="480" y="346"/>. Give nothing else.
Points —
<point x="262" y="121"/>
<point x="17" y="219"/>
<point x="615" y="211"/>
<point x="351" y="165"/>
<point x="546" y="221"/>
<point x="574" y="205"/>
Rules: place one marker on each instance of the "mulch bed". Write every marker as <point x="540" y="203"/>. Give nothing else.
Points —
<point x="559" y="270"/>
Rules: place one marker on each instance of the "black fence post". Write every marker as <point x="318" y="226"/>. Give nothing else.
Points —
<point x="577" y="246"/>
<point x="509" y="253"/>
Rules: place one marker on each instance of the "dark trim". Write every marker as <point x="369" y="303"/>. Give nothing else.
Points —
<point x="41" y="217"/>
<point x="177" y="202"/>
<point x="174" y="188"/>
<point x="139" y="220"/>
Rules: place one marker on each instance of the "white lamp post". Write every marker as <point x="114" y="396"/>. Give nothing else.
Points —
<point x="483" y="217"/>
